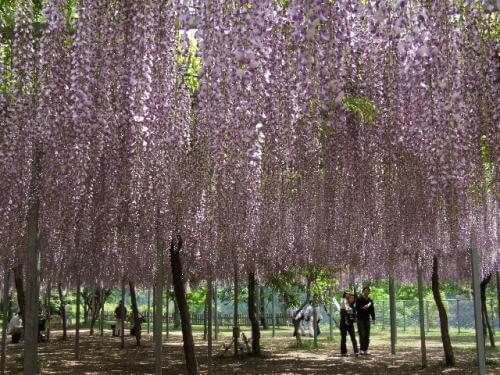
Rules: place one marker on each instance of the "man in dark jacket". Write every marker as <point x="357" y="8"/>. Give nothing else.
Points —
<point x="365" y="310"/>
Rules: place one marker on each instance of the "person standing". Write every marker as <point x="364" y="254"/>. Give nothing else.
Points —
<point x="120" y="315"/>
<point x="347" y="320"/>
<point x="365" y="310"/>
<point x="15" y="327"/>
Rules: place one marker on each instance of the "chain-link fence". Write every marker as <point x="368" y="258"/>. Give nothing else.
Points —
<point x="460" y="314"/>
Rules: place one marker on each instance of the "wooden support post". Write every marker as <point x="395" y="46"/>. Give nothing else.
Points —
<point x="478" y="313"/>
<point x="392" y="303"/>
<point x="421" y="314"/>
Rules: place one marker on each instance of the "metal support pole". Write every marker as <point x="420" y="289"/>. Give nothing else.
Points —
<point x="458" y="315"/>
<point x="167" y="313"/>
<point x="330" y="317"/>
<point x="216" y="312"/>
<point x="101" y="320"/>
<point x="158" y="305"/>
<point x="421" y="317"/>
<point x="123" y="317"/>
<point x="392" y="302"/>
<point x="209" y="323"/>
<point x="47" y="302"/>
<point x="77" y="327"/>
<point x="273" y="312"/>
<point x="383" y="315"/>
<point x="492" y="314"/>
<point x="478" y="314"/>
<point x="149" y="309"/>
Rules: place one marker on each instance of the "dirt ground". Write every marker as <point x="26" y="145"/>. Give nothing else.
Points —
<point x="102" y="355"/>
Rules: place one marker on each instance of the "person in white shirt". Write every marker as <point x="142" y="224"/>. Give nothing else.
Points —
<point x="15" y="327"/>
<point x="309" y="317"/>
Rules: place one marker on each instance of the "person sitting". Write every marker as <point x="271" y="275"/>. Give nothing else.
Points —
<point x="120" y="316"/>
<point x="15" y="327"/>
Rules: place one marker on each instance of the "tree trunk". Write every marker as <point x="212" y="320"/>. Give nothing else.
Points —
<point x="180" y="296"/>
<point x="486" y="319"/>
<point x="252" y="314"/>
<point x="135" y="313"/>
<point x="62" y="311"/>
<point x="443" y="316"/>
<point x="19" y="284"/>
<point x="30" y="364"/>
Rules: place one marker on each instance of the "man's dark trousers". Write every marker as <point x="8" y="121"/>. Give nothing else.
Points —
<point x="364" y="334"/>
